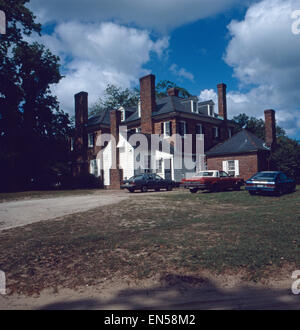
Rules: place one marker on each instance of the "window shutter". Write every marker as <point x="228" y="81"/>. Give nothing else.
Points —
<point x="162" y="128"/>
<point x="170" y="124"/>
<point x="225" y="166"/>
<point x="237" y="167"/>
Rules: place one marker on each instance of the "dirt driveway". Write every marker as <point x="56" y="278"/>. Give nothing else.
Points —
<point x="20" y="213"/>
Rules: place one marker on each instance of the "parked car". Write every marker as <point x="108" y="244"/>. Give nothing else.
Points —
<point x="270" y="182"/>
<point x="213" y="181"/>
<point x="144" y="182"/>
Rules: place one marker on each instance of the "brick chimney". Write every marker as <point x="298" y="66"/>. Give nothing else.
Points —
<point x="222" y="101"/>
<point x="270" y="128"/>
<point x="173" y="91"/>
<point x="80" y="143"/>
<point x="115" y="172"/>
<point x="148" y="103"/>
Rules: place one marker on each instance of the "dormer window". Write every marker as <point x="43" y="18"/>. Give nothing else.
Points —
<point x="122" y="114"/>
<point x="194" y="107"/>
<point x="207" y="108"/>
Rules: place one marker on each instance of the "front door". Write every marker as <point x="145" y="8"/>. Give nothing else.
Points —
<point x="168" y="169"/>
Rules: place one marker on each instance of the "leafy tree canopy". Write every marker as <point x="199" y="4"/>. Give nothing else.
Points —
<point x="116" y="97"/>
<point x="33" y="130"/>
<point x="286" y="154"/>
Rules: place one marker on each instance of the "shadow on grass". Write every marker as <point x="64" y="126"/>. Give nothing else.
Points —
<point x="187" y="293"/>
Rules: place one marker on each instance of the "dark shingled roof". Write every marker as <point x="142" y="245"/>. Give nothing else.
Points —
<point x="164" y="105"/>
<point x="242" y="142"/>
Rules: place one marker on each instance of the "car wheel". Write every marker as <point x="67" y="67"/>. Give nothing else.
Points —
<point x="144" y="189"/>
<point x="215" y="188"/>
<point x="131" y="190"/>
<point x="279" y="192"/>
<point x="194" y="190"/>
<point x="237" y="187"/>
<point x="169" y="188"/>
<point x="157" y="189"/>
<point x="251" y="192"/>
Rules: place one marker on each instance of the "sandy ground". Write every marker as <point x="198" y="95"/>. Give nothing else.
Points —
<point x="152" y="294"/>
<point x="21" y="213"/>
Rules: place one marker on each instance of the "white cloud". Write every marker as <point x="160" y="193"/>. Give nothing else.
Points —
<point x="161" y="15"/>
<point x="208" y="94"/>
<point x="97" y="54"/>
<point x="181" y="72"/>
<point x="264" y="52"/>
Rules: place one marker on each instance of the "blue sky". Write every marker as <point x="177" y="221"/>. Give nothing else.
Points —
<point x="249" y="45"/>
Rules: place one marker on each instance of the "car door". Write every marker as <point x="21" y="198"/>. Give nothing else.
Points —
<point x="225" y="180"/>
<point x="151" y="181"/>
<point x="282" y="182"/>
<point x="160" y="182"/>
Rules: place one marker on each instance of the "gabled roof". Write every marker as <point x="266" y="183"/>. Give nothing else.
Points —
<point x="164" y="105"/>
<point x="242" y="142"/>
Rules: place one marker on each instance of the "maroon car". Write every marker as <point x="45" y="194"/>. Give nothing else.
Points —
<point x="213" y="181"/>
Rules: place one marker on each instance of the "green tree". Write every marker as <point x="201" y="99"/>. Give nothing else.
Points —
<point x="285" y="155"/>
<point x="33" y="130"/>
<point x="254" y="125"/>
<point x="114" y="98"/>
<point x="163" y="86"/>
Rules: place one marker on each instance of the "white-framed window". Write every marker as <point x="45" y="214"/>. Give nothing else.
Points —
<point x="95" y="167"/>
<point x="122" y="114"/>
<point x="182" y="128"/>
<point x="91" y="140"/>
<point x="232" y="167"/>
<point x="199" y="129"/>
<point x="138" y="130"/>
<point x="159" y="165"/>
<point x="72" y="144"/>
<point x="210" y="110"/>
<point x="167" y="128"/>
<point x="194" y="106"/>
<point x="216" y="132"/>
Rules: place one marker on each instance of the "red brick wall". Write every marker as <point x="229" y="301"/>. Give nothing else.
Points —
<point x="191" y="129"/>
<point x="222" y="101"/>
<point x="270" y="123"/>
<point x="248" y="164"/>
<point x="148" y="103"/>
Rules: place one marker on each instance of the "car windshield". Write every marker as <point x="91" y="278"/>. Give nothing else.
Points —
<point x="267" y="176"/>
<point x="203" y="174"/>
<point x="137" y="177"/>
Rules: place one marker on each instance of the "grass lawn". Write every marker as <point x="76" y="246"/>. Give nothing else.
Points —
<point x="150" y="234"/>
<point x="7" y="197"/>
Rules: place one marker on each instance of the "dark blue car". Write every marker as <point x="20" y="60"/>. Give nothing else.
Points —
<point x="276" y="183"/>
